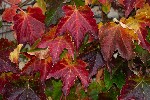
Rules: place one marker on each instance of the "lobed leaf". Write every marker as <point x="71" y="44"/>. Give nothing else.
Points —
<point x="68" y="72"/>
<point x="78" y="22"/>
<point x="29" y="26"/>
<point x="57" y="45"/>
<point x="9" y="13"/>
<point x="114" y="37"/>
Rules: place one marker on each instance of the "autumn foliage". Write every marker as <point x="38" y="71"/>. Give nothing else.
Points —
<point x="61" y="52"/>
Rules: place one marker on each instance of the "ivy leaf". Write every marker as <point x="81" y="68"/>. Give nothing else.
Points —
<point x="129" y="5"/>
<point x="114" y="37"/>
<point x="78" y="22"/>
<point x="5" y="64"/>
<point x="9" y="13"/>
<point x="68" y="71"/>
<point x="36" y="65"/>
<point x="136" y="88"/>
<point x="29" y="26"/>
<point x="57" y="45"/>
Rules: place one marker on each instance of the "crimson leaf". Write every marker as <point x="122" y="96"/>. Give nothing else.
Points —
<point x="68" y="71"/>
<point x="78" y="22"/>
<point x="29" y="26"/>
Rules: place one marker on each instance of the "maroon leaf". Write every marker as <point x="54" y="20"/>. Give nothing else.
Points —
<point x="129" y="5"/>
<point x="94" y="59"/>
<point x="29" y="26"/>
<point x="5" y="64"/>
<point x="136" y="88"/>
<point x="78" y="22"/>
<point x="114" y="37"/>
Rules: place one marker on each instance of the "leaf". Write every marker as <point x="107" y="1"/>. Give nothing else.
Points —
<point x="114" y="37"/>
<point x="109" y="80"/>
<point x="78" y="22"/>
<point x="41" y="4"/>
<point x="29" y="26"/>
<point x="57" y="45"/>
<point x="129" y="5"/>
<point x="24" y="93"/>
<point x="139" y="27"/>
<point x="6" y="78"/>
<point x="106" y="8"/>
<point x="68" y="71"/>
<point x="9" y="13"/>
<point x="14" y="55"/>
<point x="57" y="90"/>
<point x="95" y="60"/>
<point x="36" y="65"/>
<point x="106" y="5"/>
<point x="135" y="88"/>
<point x="54" y="11"/>
<point x="5" y="64"/>
<point x="13" y="2"/>
<point x="94" y="90"/>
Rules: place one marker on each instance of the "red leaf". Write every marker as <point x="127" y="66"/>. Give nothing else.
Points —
<point x="37" y="65"/>
<point x="57" y="45"/>
<point x="29" y="26"/>
<point x="68" y="72"/>
<point x="114" y="37"/>
<point x="78" y="22"/>
<point x="131" y="4"/>
<point x="5" y="64"/>
<point x="9" y="13"/>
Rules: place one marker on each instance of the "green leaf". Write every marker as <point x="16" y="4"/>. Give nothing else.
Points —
<point x="118" y="78"/>
<point x="54" y="11"/>
<point x="53" y="89"/>
<point x="56" y="90"/>
<point x="106" y="8"/>
<point x="76" y="2"/>
<point x="79" y="2"/>
<point x="94" y="90"/>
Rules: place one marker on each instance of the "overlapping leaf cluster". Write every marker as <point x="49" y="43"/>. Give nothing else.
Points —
<point x="86" y="56"/>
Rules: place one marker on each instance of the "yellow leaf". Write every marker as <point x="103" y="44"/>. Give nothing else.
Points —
<point x="143" y="13"/>
<point x="14" y="56"/>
